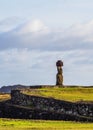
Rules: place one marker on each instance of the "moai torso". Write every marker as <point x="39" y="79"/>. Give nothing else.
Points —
<point x="59" y="76"/>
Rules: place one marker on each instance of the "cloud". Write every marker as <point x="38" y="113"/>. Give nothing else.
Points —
<point x="35" y="35"/>
<point x="9" y="24"/>
<point x="35" y="26"/>
<point x="39" y="67"/>
<point x="28" y="54"/>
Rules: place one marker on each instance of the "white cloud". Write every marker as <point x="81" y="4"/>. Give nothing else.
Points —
<point x="37" y="67"/>
<point x="29" y="52"/>
<point x="35" y="35"/>
<point x="9" y="24"/>
<point x="35" y="26"/>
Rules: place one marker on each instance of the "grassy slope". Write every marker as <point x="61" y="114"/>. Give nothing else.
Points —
<point x="7" y="124"/>
<point x="4" y="97"/>
<point x="68" y="94"/>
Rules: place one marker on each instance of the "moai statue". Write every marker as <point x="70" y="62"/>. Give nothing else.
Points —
<point x="59" y="76"/>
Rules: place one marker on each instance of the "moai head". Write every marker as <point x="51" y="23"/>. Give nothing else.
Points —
<point x="59" y="76"/>
<point x="59" y="63"/>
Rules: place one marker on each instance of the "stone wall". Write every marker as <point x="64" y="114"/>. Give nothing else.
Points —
<point x="20" y="112"/>
<point x="52" y="105"/>
<point x="43" y="103"/>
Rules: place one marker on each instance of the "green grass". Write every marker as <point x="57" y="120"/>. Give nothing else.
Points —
<point x="69" y="94"/>
<point x="12" y="124"/>
<point x="4" y="97"/>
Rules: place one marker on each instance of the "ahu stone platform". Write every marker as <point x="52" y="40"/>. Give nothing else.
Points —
<point x="34" y="107"/>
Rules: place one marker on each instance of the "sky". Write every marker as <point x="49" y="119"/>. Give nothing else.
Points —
<point x="34" y="34"/>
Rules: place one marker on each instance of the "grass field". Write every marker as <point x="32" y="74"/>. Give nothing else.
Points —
<point x="72" y="94"/>
<point x="4" y="97"/>
<point x="7" y="124"/>
<point x="69" y="94"/>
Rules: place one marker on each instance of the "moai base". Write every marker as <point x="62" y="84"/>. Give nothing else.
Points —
<point x="59" y="76"/>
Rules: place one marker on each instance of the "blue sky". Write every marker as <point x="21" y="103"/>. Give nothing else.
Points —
<point x="53" y="12"/>
<point x="34" y="34"/>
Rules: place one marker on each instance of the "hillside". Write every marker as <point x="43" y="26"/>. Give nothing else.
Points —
<point x="7" y="89"/>
<point x="72" y="94"/>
